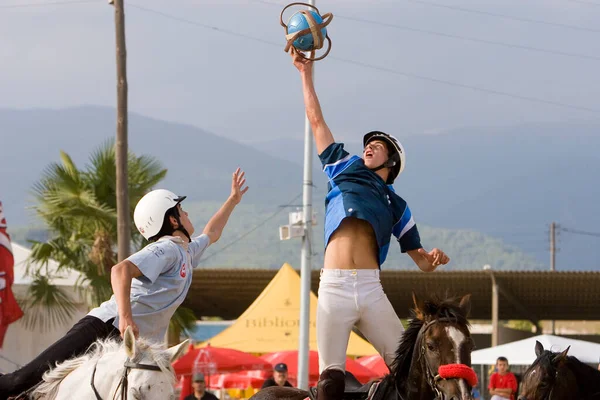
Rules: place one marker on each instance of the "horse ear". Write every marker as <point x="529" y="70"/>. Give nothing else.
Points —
<point x="129" y="340"/>
<point x="419" y="306"/>
<point x="539" y="348"/>
<point x="177" y="351"/>
<point x="465" y="304"/>
<point x="563" y="355"/>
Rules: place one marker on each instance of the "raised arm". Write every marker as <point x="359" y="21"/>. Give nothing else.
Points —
<point x="321" y="132"/>
<point x="216" y="224"/>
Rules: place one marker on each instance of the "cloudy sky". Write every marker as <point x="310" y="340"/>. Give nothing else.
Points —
<point x="414" y="66"/>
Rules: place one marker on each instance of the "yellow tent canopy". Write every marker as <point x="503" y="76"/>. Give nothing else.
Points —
<point x="271" y="323"/>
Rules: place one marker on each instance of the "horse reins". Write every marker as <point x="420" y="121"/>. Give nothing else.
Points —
<point x="123" y="383"/>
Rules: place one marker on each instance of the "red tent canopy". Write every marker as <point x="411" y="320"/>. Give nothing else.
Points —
<point x="375" y="363"/>
<point x="215" y="360"/>
<point x="362" y="373"/>
<point x="236" y="380"/>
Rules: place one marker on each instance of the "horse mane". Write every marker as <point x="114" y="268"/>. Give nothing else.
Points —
<point x="433" y="308"/>
<point x="588" y="378"/>
<point x="52" y="378"/>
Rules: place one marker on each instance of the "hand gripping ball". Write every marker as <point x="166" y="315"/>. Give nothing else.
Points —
<point x="306" y="30"/>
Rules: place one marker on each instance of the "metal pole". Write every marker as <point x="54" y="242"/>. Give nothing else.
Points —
<point x="305" y="266"/>
<point x="495" y="311"/>
<point x="553" y="246"/>
<point x="123" y="223"/>
<point x="553" y="260"/>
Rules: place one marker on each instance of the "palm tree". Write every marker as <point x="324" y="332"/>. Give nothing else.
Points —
<point x="79" y="209"/>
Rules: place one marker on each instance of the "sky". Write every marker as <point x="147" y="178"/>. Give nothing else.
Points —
<point x="408" y="66"/>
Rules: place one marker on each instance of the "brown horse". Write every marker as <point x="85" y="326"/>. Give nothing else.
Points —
<point x="433" y="360"/>
<point x="558" y="376"/>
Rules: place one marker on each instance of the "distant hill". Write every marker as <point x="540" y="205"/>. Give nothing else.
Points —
<point x="199" y="163"/>
<point x="261" y="248"/>
<point x="508" y="183"/>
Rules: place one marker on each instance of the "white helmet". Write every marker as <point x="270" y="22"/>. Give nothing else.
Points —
<point x="149" y="213"/>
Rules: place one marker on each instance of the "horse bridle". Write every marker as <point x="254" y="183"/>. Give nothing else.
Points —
<point x="123" y="383"/>
<point x="432" y="379"/>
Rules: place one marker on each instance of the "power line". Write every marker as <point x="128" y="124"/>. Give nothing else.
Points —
<point x="54" y="3"/>
<point x="195" y="23"/>
<point x="578" y="232"/>
<point x="504" y="16"/>
<point x="492" y="42"/>
<point x="471" y="87"/>
<point x="375" y="67"/>
<point x="452" y="36"/>
<point x="264" y="221"/>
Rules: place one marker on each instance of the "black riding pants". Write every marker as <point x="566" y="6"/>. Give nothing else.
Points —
<point x="75" y="343"/>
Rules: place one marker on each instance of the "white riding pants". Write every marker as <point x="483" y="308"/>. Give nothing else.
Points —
<point x="348" y="298"/>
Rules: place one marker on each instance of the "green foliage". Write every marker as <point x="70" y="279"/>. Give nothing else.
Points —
<point x="521" y="325"/>
<point x="46" y="306"/>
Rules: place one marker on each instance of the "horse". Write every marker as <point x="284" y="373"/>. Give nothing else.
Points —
<point x="557" y="376"/>
<point x="433" y="360"/>
<point x="112" y="369"/>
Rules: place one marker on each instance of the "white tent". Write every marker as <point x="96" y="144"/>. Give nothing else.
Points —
<point x="522" y="352"/>
<point x="21" y="345"/>
<point x="66" y="278"/>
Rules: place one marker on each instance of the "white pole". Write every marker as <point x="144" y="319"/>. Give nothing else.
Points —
<point x="305" y="265"/>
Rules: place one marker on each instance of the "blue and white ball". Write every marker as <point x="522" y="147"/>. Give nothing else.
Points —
<point x="298" y="22"/>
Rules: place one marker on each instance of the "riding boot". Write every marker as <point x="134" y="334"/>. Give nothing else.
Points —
<point x="331" y="385"/>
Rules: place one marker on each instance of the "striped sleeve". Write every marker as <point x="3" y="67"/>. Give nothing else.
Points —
<point x="335" y="159"/>
<point x="406" y="232"/>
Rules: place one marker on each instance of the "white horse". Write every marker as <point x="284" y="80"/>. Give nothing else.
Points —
<point x="114" y="370"/>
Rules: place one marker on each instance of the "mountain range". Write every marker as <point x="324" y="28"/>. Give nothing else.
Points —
<point x="490" y="183"/>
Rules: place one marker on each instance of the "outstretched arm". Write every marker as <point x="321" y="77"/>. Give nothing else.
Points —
<point x="321" y="132"/>
<point x="217" y="223"/>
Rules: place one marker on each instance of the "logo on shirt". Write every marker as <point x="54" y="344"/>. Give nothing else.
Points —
<point x="182" y="272"/>
<point x="157" y="251"/>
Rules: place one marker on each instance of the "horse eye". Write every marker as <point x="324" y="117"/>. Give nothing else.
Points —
<point x="431" y="346"/>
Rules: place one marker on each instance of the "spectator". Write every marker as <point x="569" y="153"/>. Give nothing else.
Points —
<point x="503" y="384"/>
<point x="475" y="393"/>
<point x="200" y="392"/>
<point x="279" y="378"/>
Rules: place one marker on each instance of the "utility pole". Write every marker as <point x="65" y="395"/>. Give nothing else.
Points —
<point x="553" y="258"/>
<point x="553" y="246"/>
<point x="122" y="192"/>
<point x="305" y="264"/>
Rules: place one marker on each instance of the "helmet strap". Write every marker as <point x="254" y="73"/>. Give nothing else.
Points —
<point x="180" y="225"/>
<point x="182" y="229"/>
<point x="389" y="163"/>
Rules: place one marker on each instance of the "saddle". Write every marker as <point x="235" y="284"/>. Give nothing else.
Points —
<point x="353" y="389"/>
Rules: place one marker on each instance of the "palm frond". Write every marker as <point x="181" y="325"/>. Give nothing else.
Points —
<point x="183" y="319"/>
<point x="46" y="305"/>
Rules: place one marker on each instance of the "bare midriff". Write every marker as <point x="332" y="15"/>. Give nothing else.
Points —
<point x="352" y="246"/>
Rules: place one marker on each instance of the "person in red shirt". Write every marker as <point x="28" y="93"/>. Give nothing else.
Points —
<point x="503" y="384"/>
